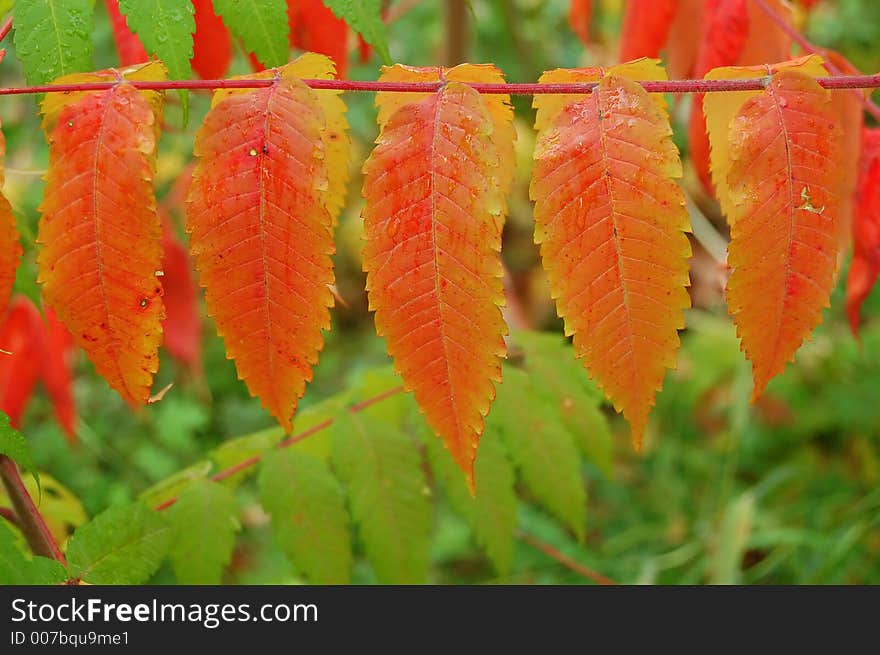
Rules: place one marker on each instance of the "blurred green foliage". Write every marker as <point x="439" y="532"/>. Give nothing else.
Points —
<point x="784" y="491"/>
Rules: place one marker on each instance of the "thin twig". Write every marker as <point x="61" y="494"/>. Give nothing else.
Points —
<point x="807" y="46"/>
<point x="30" y="521"/>
<point x="252" y="461"/>
<point x="669" y="86"/>
<point x="4" y="31"/>
<point x="563" y="559"/>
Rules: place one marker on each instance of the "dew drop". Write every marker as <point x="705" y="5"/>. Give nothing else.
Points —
<point x="252" y="152"/>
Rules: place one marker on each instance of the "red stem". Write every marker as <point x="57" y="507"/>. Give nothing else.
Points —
<point x="5" y="29"/>
<point x="670" y="86"/>
<point x="30" y="521"/>
<point x="296" y="438"/>
<point x="807" y="46"/>
<point x="564" y="559"/>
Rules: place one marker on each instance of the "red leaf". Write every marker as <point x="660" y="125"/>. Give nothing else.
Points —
<point x="261" y="235"/>
<point x="21" y="337"/>
<point x="212" y="45"/>
<point x="128" y="45"/>
<point x="580" y="15"/>
<point x="866" y="228"/>
<point x="56" y="361"/>
<point x="314" y="28"/>
<point x="182" y="326"/>
<point x="645" y="28"/>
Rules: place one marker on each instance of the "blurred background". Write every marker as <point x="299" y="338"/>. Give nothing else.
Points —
<point x="784" y="491"/>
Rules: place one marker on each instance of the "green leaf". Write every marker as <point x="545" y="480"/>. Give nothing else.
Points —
<point x="166" y="29"/>
<point x="261" y="25"/>
<point x="17" y="568"/>
<point x="123" y="545"/>
<point x="541" y="448"/>
<point x="53" y="37"/>
<point x="14" y="446"/>
<point x="388" y="495"/>
<point x="205" y="520"/>
<point x="492" y="512"/>
<point x="364" y="17"/>
<point x="559" y="378"/>
<point x="308" y="515"/>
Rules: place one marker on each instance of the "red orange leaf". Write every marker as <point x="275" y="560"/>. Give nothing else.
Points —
<point x="782" y="203"/>
<point x="314" y="28"/>
<point x="865" y="265"/>
<point x="646" y="26"/>
<point x="10" y="247"/>
<point x="212" y="45"/>
<point x="100" y="231"/>
<point x="261" y="236"/>
<point x="182" y="326"/>
<point x="432" y="221"/>
<point x="610" y="219"/>
<point x="128" y="45"/>
<point x="580" y="15"/>
<point x="21" y="337"/>
<point x="58" y="352"/>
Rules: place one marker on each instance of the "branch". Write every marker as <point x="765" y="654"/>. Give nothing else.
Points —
<point x="563" y="559"/>
<point x="806" y="45"/>
<point x="670" y="86"/>
<point x="30" y="521"/>
<point x="252" y="461"/>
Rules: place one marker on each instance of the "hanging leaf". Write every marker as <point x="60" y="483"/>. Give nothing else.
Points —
<point x="779" y="194"/>
<point x="10" y="246"/>
<point x="865" y="264"/>
<point x="610" y="219"/>
<point x="182" y="326"/>
<point x="58" y="351"/>
<point x="432" y="220"/>
<point x="314" y="28"/>
<point x="128" y="45"/>
<point x="212" y="45"/>
<point x="99" y="227"/>
<point x="123" y="545"/>
<point x="53" y="37"/>
<point x="580" y="16"/>
<point x="261" y="25"/>
<point x="21" y="336"/>
<point x="204" y="521"/>
<point x="261" y="234"/>
<point x="365" y="18"/>
<point x="387" y="493"/>
<point x="308" y="515"/>
<point x="646" y="25"/>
